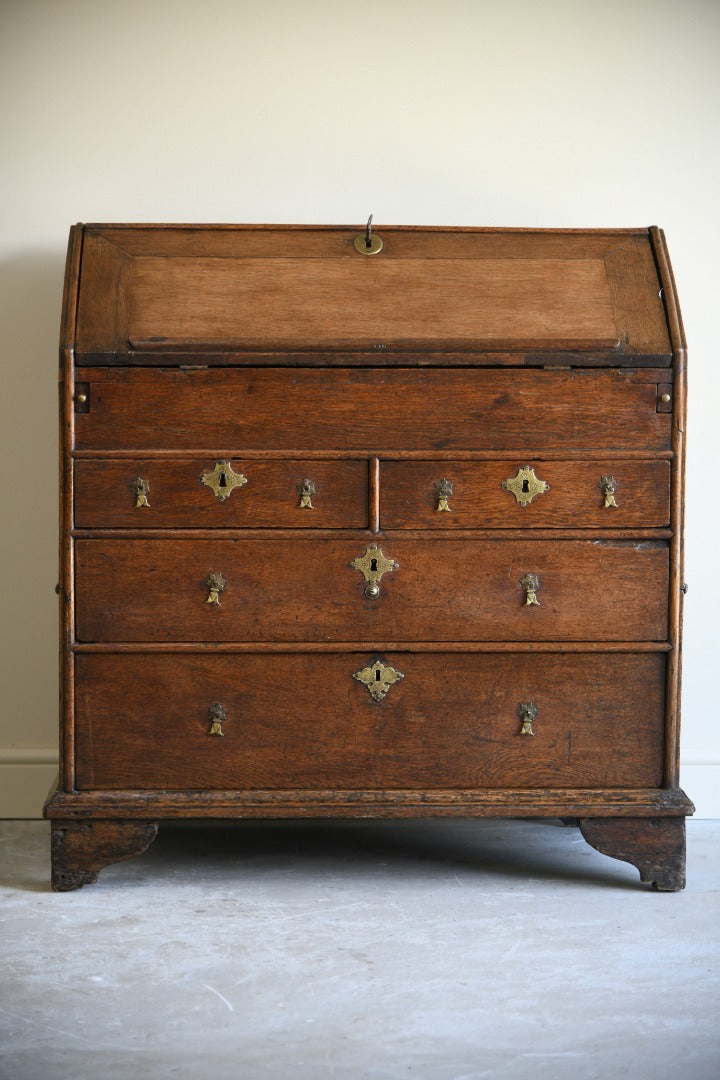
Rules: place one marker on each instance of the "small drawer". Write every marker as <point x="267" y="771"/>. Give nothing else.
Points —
<point x="309" y="721"/>
<point x="217" y="493"/>
<point x="326" y="590"/>
<point x="610" y="493"/>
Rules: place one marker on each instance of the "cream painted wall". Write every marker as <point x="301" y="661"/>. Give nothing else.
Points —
<point x="421" y="111"/>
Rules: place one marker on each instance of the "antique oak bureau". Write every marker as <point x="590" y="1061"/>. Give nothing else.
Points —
<point x="370" y="524"/>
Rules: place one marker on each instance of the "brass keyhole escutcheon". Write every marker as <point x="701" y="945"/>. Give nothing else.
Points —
<point x="525" y="485"/>
<point x="608" y="486"/>
<point x="527" y="711"/>
<point x="378" y="678"/>
<point x="217" y="715"/>
<point x="222" y="480"/>
<point x="530" y="583"/>
<point x="372" y="565"/>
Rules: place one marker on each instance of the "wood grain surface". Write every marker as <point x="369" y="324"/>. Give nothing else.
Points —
<point x="370" y="409"/>
<point x="306" y="590"/>
<point x="575" y="500"/>
<point x="304" y="721"/>
<point x="179" y="499"/>
<point x="231" y="288"/>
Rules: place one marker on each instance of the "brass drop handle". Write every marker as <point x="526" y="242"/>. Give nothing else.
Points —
<point x="608" y="486"/>
<point x="306" y="489"/>
<point x="443" y="491"/>
<point x="141" y="490"/>
<point x="217" y="715"/>
<point x="527" y="711"/>
<point x="372" y="565"/>
<point x="215" y="584"/>
<point x="530" y="583"/>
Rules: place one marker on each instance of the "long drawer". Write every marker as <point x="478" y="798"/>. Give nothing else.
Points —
<point x="308" y="721"/>
<point x="299" y="409"/>
<point x="317" y="590"/>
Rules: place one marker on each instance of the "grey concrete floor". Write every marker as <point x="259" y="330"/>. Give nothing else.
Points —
<point x="441" y="950"/>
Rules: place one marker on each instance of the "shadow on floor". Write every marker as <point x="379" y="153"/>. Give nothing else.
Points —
<point x="416" y="850"/>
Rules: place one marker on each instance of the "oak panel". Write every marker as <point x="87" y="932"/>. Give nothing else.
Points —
<point x="304" y="721"/>
<point x="179" y="499"/>
<point x="370" y="409"/>
<point x="574" y="500"/>
<point x="306" y="590"/>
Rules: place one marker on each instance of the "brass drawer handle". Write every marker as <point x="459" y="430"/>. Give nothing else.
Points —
<point x="215" y="584"/>
<point x="141" y="490"/>
<point x="306" y="489"/>
<point x="222" y="480"/>
<point x="527" y="711"/>
<point x="530" y="583"/>
<point x="378" y="678"/>
<point x="217" y="715"/>
<point x="525" y="485"/>
<point x="443" y="491"/>
<point x="372" y="565"/>
<point x="608" y="486"/>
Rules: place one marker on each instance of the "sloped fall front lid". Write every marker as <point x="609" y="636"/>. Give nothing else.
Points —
<point x="162" y="291"/>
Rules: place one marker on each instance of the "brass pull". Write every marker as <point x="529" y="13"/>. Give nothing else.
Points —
<point x="217" y="715"/>
<point x="215" y="584"/>
<point x="443" y="491"/>
<point x="530" y="583"/>
<point x="367" y="243"/>
<point x="306" y="489"/>
<point x="527" y="711"/>
<point x="608" y="486"/>
<point x="372" y="565"/>
<point x="378" y="678"/>
<point x="223" y="480"/>
<point x="525" y="485"/>
<point x="141" y="490"/>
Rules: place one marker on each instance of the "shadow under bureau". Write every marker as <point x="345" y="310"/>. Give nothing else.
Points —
<point x="370" y="526"/>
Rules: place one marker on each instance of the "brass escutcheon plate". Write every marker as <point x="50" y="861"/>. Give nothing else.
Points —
<point x="372" y="565"/>
<point x="378" y="678"/>
<point x="525" y="486"/>
<point x="222" y="480"/>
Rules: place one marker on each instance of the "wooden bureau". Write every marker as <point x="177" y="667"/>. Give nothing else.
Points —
<point x="370" y="526"/>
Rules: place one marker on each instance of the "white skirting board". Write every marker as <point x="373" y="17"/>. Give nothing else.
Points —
<point x="26" y="777"/>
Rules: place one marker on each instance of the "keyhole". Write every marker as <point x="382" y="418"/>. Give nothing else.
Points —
<point x="525" y="486"/>
<point x="377" y="674"/>
<point x="373" y="566"/>
<point x="223" y="480"/>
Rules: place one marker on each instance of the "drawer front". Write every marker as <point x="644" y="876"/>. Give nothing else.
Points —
<point x="601" y="494"/>
<point x="307" y="590"/>
<point x="304" y="721"/>
<point x="269" y="494"/>
<point x="370" y="409"/>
